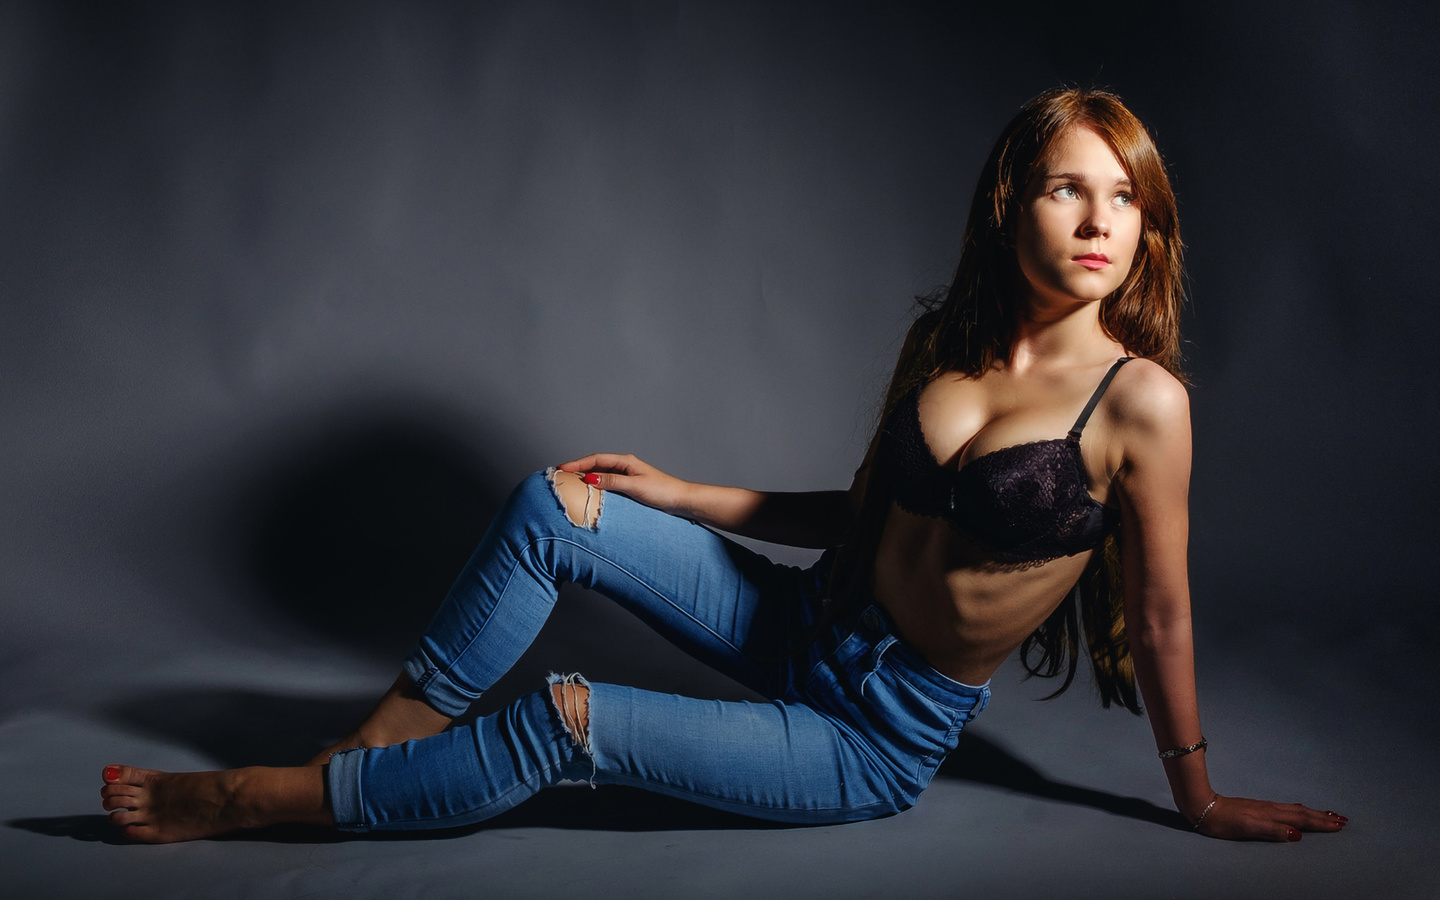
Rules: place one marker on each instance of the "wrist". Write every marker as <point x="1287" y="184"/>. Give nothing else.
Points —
<point x="684" y="501"/>
<point x="1198" y="820"/>
<point x="1189" y="784"/>
<point x="1193" y="806"/>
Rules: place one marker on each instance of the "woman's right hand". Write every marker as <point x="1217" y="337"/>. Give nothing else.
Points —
<point x="640" y="481"/>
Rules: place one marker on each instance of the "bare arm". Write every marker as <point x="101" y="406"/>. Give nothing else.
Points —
<point x="807" y="519"/>
<point x="797" y="519"/>
<point x="1153" y="484"/>
<point x="1154" y="487"/>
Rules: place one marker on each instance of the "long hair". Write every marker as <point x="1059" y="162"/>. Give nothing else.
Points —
<point x="968" y="328"/>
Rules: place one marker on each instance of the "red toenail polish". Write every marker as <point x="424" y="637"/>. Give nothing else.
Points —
<point x="591" y="478"/>
<point x="112" y="773"/>
<point x="1292" y="834"/>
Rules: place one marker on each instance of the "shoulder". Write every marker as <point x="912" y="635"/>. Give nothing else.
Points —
<point x="1146" y="398"/>
<point x="1151" y="442"/>
<point x="1150" y="417"/>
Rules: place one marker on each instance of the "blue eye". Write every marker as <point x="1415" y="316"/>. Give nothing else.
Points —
<point x="1067" y="191"/>
<point x="1124" y="200"/>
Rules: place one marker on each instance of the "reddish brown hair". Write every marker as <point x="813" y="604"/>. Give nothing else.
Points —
<point x="969" y="326"/>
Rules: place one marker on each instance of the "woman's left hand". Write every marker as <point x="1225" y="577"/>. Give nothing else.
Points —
<point x="1241" y="819"/>
<point x="636" y="479"/>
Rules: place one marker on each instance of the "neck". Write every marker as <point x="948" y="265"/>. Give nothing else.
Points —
<point x="1049" y="335"/>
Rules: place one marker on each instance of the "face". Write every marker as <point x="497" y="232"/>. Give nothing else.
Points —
<point x="1078" y="224"/>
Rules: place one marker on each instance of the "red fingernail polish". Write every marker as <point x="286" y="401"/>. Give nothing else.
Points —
<point x="591" y="478"/>
<point x="1292" y="834"/>
<point x="112" y="773"/>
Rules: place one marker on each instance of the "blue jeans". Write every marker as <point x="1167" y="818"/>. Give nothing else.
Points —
<point x="855" y="727"/>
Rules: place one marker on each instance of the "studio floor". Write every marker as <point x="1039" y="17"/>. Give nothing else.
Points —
<point x="1040" y="799"/>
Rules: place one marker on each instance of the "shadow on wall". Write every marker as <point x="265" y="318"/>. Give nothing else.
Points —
<point x="352" y="530"/>
<point x="355" y="530"/>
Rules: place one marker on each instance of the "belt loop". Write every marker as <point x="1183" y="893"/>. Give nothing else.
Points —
<point x="875" y="657"/>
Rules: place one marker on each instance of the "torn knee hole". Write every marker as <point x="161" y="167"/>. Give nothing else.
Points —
<point x="571" y="695"/>
<point x="572" y="702"/>
<point x="581" y="502"/>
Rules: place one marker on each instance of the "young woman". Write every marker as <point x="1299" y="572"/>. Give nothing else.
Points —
<point x="1026" y="486"/>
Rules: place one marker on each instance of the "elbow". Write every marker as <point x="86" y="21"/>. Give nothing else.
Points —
<point x="1154" y="634"/>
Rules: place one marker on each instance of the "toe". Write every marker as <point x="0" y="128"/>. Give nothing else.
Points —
<point x="128" y="775"/>
<point x="120" y="801"/>
<point x="142" y="833"/>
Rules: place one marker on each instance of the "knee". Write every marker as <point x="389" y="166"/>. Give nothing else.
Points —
<point x="543" y="498"/>
<point x="571" y="696"/>
<point x="581" y="502"/>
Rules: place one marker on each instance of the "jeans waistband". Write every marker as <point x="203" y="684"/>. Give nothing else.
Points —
<point x="875" y="624"/>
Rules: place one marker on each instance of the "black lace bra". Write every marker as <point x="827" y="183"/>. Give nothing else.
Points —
<point x="1025" y="503"/>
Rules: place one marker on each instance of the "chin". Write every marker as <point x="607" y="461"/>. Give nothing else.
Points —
<point x="1091" y="293"/>
<point x="1088" y="297"/>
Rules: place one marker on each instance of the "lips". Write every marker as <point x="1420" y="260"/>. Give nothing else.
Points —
<point x="1093" y="260"/>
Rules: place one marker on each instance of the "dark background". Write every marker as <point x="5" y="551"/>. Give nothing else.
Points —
<point x="291" y="295"/>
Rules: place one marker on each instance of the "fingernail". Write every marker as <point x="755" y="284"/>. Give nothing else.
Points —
<point x="111" y="774"/>
<point x="1292" y="834"/>
<point x="591" y="478"/>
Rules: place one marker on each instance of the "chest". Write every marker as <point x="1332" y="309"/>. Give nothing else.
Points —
<point x="1023" y="495"/>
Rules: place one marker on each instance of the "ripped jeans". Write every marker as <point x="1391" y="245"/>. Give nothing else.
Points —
<point x="855" y="726"/>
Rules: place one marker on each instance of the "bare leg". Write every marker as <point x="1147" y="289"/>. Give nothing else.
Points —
<point x="401" y="715"/>
<point x="161" y="808"/>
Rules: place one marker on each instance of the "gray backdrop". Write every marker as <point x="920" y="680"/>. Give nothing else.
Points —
<point x="290" y="296"/>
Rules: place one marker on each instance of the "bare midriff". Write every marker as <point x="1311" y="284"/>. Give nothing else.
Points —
<point x="963" y="612"/>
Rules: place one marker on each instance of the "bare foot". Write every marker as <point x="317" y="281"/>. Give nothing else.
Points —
<point x="161" y="807"/>
<point x="401" y="715"/>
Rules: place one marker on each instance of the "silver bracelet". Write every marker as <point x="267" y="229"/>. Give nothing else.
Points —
<point x="1184" y="751"/>
<point x="1206" y="811"/>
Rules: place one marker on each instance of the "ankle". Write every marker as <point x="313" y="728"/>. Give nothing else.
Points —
<point x="244" y="793"/>
<point x="260" y="796"/>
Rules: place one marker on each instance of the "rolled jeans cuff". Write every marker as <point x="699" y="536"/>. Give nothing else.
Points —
<point x="439" y="691"/>
<point x="343" y="781"/>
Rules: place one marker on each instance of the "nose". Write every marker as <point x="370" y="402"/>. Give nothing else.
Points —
<point x="1096" y="223"/>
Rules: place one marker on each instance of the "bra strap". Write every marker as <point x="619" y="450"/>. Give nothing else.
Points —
<point x="1074" y="434"/>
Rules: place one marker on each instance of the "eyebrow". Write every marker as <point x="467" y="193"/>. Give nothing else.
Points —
<point x="1080" y="176"/>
